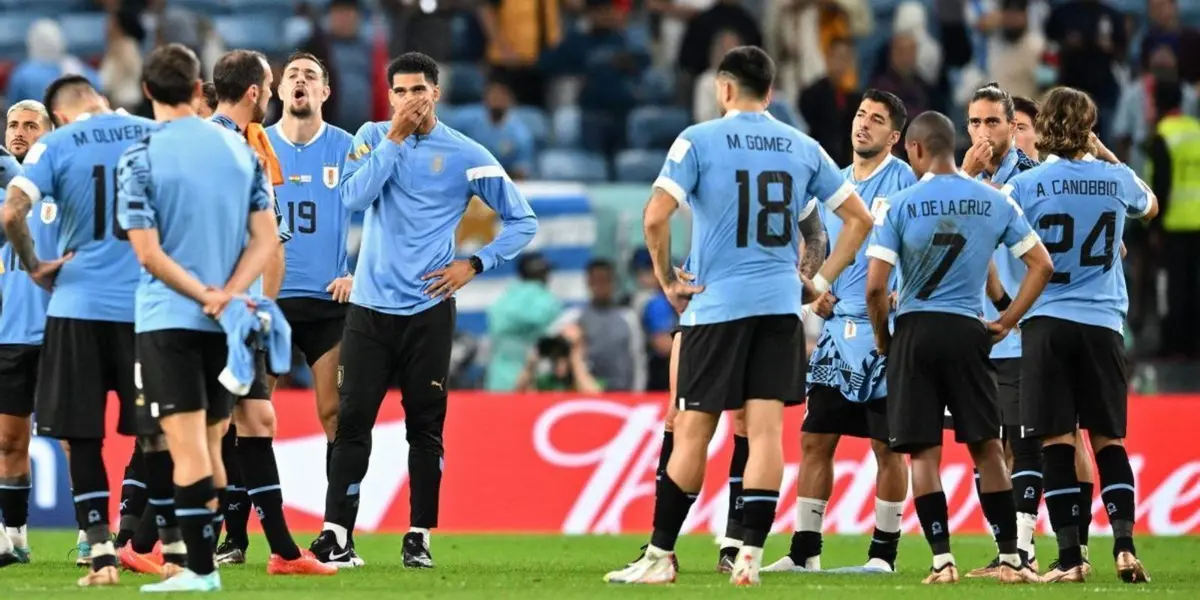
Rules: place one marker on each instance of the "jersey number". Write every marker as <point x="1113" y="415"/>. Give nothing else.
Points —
<point x="954" y="243"/>
<point x="14" y="262"/>
<point x="767" y="206"/>
<point x="1105" y="226"/>
<point x="100" y="224"/>
<point x="306" y="211"/>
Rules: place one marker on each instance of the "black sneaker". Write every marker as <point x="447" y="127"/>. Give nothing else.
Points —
<point x="726" y="559"/>
<point x="327" y="550"/>
<point x="355" y="559"/>
<point x="416" y="554"/>
<point x="230" y="553"/>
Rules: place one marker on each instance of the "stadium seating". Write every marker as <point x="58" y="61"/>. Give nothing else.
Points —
<point x="45" y="8"/>
<point x="208" y="7"/>
<point x="566" y="125"/>
<point x="275" y="7"/>
<point x="262" y="32"/>
<point x="639" y="166"/>
<point x="85" y="33"/>
<point x="535" y="119"/>
<point x="655" y="126"/>
<point x="572" y="165"/>
<point x="466" y="83"/>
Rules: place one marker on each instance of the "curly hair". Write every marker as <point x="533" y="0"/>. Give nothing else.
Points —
<point x="1064" y="125"/>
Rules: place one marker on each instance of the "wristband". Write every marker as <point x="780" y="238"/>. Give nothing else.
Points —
<point x="1003" y="303"/>
<point x="820" y="284"/>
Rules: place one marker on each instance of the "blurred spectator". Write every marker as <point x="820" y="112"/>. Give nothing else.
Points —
<point x="912" y="20"/>
<point x="695" y="49"/>
<point x="559" y="365"/>
<point x="616" y="347"/>
<point x="425" y="26"/>
<point x="1091" y="41"/>
<point x="47" y="60"/>
<point x="675" y="15"/>
<point x="1013" y="48"/>
<point x="350" y="55"/>
<point x="518" y="32"/>
<point x="517" y="319"/>
<point x="1175" y="152"/>
<point x="902" y="78"/>
<point x="704" y="101"/>
<point x="1135" y="119"/>
<point x="801" y="34"/>
<point x="494" y="126"/>
<point x="960" y="48"/>
<point x="828" y="107"/>
<point x="1163" y="27"/>
<point x="306" y="33"/>
<point x="121" y="67"/>
<point x="659" y="319"/>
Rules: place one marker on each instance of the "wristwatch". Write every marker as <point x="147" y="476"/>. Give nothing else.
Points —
<point x="476" y="263"/>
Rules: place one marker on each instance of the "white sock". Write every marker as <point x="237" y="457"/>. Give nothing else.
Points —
<point x="1026" y="523"/>
<point x="103" y="549"/>
<point x="1012" y="560"/>
<point x="754" y="554"/>
<point x="17" y="536"/>
<point x="6" y="546"/>
<point x="82" y="537"/>
<point x="810" y="514"/>
<point x="941" y="560"/>
<point x="653" y="551"/>
<point x="339" y="533"/>
<point x="888" y="515"/>
<point x="174" y="548"/>
<point x="424" y="535"/>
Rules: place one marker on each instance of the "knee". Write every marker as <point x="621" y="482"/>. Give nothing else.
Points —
<point x="255" y="418"/>
<point x="987" y="451"/>
<point x="13" y="444"/>
<point x="1100" y="442"/>
<point x="885" y="458"/>
<point x="328" y="415"/>
<point x="817" y="448"/>
<point x="739" y="423"/>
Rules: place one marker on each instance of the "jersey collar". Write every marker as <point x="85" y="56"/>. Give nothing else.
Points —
<point x="1055" y="158"/>
<point x="735" y="112"/>
<point x="878" y="168"/>
<point x="317" y="136"/>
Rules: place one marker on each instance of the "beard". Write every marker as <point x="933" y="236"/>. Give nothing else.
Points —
<point x="259" y="115"/>
<point x="301" y="112"/>
<point x="868" y="152"/>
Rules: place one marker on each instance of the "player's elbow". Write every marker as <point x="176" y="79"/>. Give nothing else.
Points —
<point x="1038" y="264"/>
<point x="9" y="215"/>
<point x="1151" y="211"/>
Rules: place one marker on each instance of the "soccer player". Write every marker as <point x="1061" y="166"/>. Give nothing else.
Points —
<point x="742" y="343"/>
<point x="942" y="232"/>
<point x="242" y="80"/>
<point x="413" y="176"/>
<point x="21" y="324"/>
<point x="847" y="391"/>
<point x="1025" y="111"/>
<point x="88" y="342"/>
<point x="1073" y="368"/>
<point x="206" y="102"/>
<point x="189" y="193"/>
<point x="316" y="282"/>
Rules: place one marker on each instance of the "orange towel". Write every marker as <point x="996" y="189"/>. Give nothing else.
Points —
<point x="256" y="136"/>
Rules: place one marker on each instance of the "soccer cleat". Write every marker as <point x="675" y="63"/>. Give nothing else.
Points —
<point x="307" y="564"/>
<point x="229" y="553"/>
<point x="105" y="576"/>
<point x="654" y="567"/>
<point x="1130" y="569"/>
<point x="726" y="559"/>
<point x="947" y="574"/>
<point x="674" y="559"/>
<point x="992" y="570"/>
<point x="8" y="554"/>
<point x="1008" y="573"/>
<point x="186" y="581"/>
<point x="83" y="553"/>
<point x="326" y="549"/>
<point x="1060" y="574"/>
<point x="355" y="559"/>
<point x="787" y="564"/>
<point x="745" y="570"/>
<point x="150" y="563"/>
<point x="415" y="554"/>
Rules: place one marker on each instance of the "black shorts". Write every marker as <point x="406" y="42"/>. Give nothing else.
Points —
<point x="721" y="365"/>
<point x="1008" y="392"/>
<point x="178" y="372"/>
<point x="828" y="411"/>
<point x="1073" y="375"/>
<point x="939" y="361"/>
<point x="18" y="378"/>
<point x="83" y="360"/>
<point x="316" y="325"/>
<point x="260" y="388"/>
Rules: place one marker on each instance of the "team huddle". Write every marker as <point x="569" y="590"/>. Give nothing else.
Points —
<point x="986" y="298"/>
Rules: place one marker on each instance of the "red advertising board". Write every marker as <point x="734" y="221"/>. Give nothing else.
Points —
<point x="569" y="464"/>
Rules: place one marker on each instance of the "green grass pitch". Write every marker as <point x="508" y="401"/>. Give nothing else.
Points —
<point x="557" y="567"/>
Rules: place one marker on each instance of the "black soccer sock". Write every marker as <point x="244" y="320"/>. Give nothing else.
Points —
<point x="262" y="482"/>
<point x="664" y="455"/>
<point x="1027" y="474"/>
<point x="1062" y="501"/>
<point x="885" y="545"/>
<point x="759" y="515"/>
<point x="161" y="488"/>
<point x="671" y="506"/>
<point x="935" y="520"/>
<point x="133" y="496"/>
<point x="1001" y="511"/>
<point x="1116" y="477"/>
<point x="219" y="516"/>
<point x="14" y="499"/>
<point x="146" y="534"/>
<point x="237" y="502"/>
<point x="89" y="479"/>
<point x="1086" y="490"/>
<point x="734" y="529"/>
<point x="195" y="522"/>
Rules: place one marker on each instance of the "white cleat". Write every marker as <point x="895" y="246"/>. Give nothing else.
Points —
<point x="788" y="565"/>
<point x="878" y="565"/>
<point x="746" y="568"/>
<point x="655" y="567"/>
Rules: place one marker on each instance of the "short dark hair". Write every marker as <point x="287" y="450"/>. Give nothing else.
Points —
<point x="751" y="68"/>
<point x="295" y="56"/>
<point x="413" y="62"/>
<point x="236" y="72"/>
<point x="170" y="74"/>
<point x="600" y="264"/>
<point x="993" y="93"/>
<point x="210" y="95"/>
<point x="66" y="83"/>
<point x="933" y="131"/>
<point x="896" y="111"/>
<point x="1168" y="96"/>
<point x="1025" y="105"/>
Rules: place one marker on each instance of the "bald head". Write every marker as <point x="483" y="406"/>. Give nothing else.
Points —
<point x="934" y="132"/>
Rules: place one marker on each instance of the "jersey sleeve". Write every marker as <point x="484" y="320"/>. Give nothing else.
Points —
<point x="1018" y="235"/>
<point x="134" y="209"/>
<point x="828" y="184"/>
<point x="1136" y="194"/>
<point x="492" y="184"/>
<point x="885" y="236"/>
<point x="38" y="177"/>
<point x="369" y="165"/>
<point x="680" y="173"/>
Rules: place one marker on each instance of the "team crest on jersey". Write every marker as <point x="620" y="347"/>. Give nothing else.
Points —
<point x="330" y="176"/>
<point x="49" y="212"/>
<point x="439" y="163"/>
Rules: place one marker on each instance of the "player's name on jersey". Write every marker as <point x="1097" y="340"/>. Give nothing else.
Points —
<point x="109" y="135"/>
<point x="1080" y="187"/>
<point x="969" y="207"/>
<point x="761" y="143"/>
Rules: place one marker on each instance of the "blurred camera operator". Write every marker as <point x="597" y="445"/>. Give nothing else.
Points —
<point x="559" y="365"/>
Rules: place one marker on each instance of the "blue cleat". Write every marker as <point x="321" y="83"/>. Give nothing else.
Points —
<point x="187" y="581"/>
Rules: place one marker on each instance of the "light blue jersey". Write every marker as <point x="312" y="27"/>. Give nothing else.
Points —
<point x="1080" y="207"/>
<point x="313" y="210"/>
<point x="23" y="312"/>
<point x="76" y="165"/>
<point x="202" y="215"/>
<point x="1010" y="268"/>
<point x="414" y="194"/>
<point x="942" y="232"/>
<point x="845" y="357"/>
<point x="747" y="177"/>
